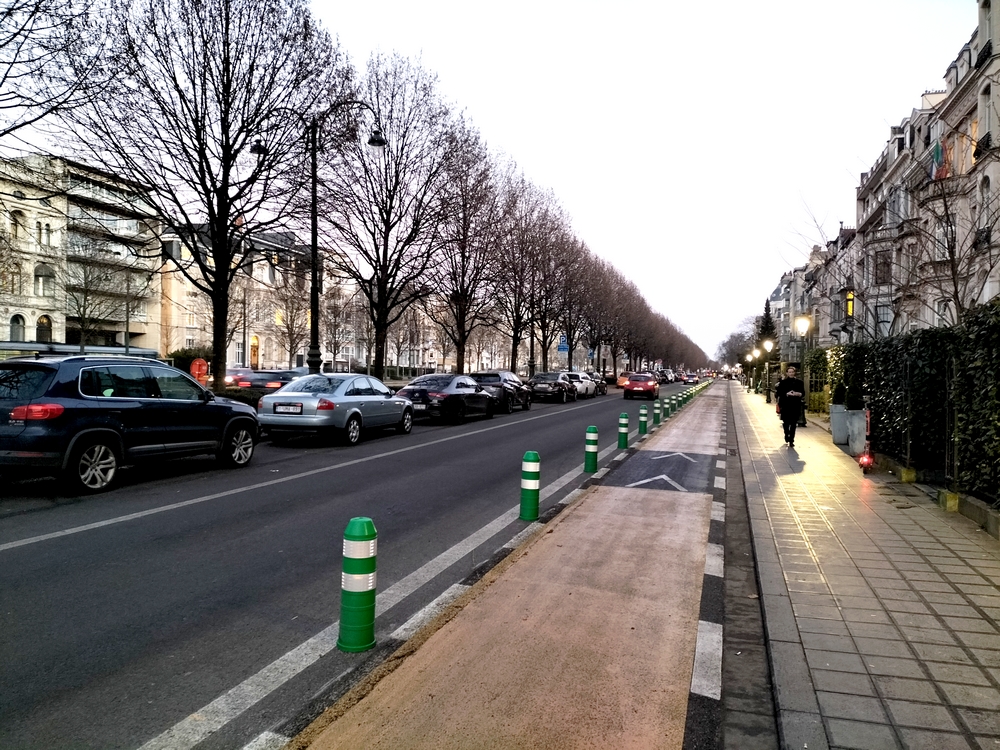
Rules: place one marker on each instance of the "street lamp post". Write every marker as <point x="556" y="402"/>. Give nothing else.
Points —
<point x="756" y="369"/>
<point x="768" y="345"/>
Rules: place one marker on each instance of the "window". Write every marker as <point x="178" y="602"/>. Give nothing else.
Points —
<point x="985" y="209"/>
<point x="43" y="329"/>
<point x="849" y="305"/>
<point x="944" y="312"/>
<point x="944" y="236"/>
<point x="47" y="235"/>
<point x="45" y="281"/>
<point x="190" y="320"/>
<point x="11" y="281"/>
<point x="17" y="328"/>
<point x="239" y="354"/>
<point x="38" y="232"/>
<point x="189" y="343"/>
<point x="119" y="381"/>
<point x="883" y="267"/>
<point x="18" y="225"/>
<point x="883" y="315"/>
<point x="175" y="386"/>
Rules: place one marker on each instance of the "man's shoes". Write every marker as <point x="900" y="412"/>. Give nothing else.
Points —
<point x="791" y="445"/>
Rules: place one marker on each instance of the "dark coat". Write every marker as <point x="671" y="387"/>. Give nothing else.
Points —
<point x="790" y="405"/>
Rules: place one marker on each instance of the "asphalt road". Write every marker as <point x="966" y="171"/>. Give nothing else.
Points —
<point x="128" y="614"/>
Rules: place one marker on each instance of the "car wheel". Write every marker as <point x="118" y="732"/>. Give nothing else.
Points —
<point x="237" y="448"/>
<point x="527" y="404"/>
<point x="508" y="403"/>
<point x="406" y="423"/>
<point x="563" y="398"/>
<point x="576" y="395"/>
<point x="352" y="430"/>
<point x="490" y="409"/>
<point x="93" y="467"/>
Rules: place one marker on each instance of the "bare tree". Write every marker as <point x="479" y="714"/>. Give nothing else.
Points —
<point x="383" y="209"/>
<point x="337" y="311"/>
<point x="290" y="296"/>
<point x="471" y="233"/>
<point x="207" y="110"/>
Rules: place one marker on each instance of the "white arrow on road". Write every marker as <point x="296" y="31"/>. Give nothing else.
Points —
<point x="668" y="455"/>
<point x="664" y="477"/>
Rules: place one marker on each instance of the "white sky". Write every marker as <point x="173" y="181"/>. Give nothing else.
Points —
<point x="695" y="145"/>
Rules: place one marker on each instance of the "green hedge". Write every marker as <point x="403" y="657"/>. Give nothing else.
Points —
<point x="905" y="380"/>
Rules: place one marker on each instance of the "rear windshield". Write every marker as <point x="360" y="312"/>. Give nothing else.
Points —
<point x="547" y="377"/>
<point x="640" y="378"/>
<point x="19" y="382"/>
<point x="431" y="381"/>
<point x="486" y="377"/>
<point x="314" y="384"/>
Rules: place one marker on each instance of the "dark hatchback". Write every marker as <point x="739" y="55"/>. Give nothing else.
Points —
<point x="83" y="417"/>
<point x="443" y="396"/>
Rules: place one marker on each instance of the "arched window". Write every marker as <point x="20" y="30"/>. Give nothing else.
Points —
<point x="43" y="329"/>
<point x="985" y="204"/>
<point x="18" y="225"/>
<point x="47" y="235"/>
<point x="985" y="115"/>
<point x="17" y="328"/>
<point x="45" y="281"/>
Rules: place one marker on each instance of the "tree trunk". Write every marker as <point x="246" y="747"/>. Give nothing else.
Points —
<point x="220" y="339"/>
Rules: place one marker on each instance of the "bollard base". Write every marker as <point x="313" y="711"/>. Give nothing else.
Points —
<point x="357" y="621"/>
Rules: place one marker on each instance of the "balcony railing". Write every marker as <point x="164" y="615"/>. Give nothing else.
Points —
<point x="984" y="144"/>
<point x="984" y="54"/>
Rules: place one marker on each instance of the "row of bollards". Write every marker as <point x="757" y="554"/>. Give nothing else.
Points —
<point x="359" y="576"/>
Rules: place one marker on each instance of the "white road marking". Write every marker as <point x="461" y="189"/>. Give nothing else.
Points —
<point x="669" y="455"/>
<point x="720" y="483"/>
<point x="706" y="678"/>
<point x="268" y="741"/>
<point x="720" y="464"/>
<point x="715" y="555"/>
<point x="664" y="477"/>
<point x="718" y="512"/>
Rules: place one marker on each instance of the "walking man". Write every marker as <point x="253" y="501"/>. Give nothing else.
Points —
<point x="789" y="393"/>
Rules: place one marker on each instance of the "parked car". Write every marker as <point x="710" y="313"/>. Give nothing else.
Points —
<point x="444" y="396"/>
<point x="642" y="384"/>
<point x="330" y="404"/>
<point x="692" y="378"/>
<point x="600" y="381"/>
<point x="267" y="380"/>
<point x="585" y="387"/>
<point x="555" y="386"/>
<point x="83" y="417"/>
<point x="623" y="380"/>
<point x="665" y="376"/>
<point x="506" y="388"/>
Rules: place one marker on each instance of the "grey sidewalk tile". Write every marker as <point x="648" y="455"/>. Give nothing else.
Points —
<point x="888" y="665"/>
<point x="972" y="696"/>
<point x="808" y="597"/>
<point x="981" y="722"/>
<point x="861" y="736"/>
<point x="824" y="642"/>
<point x="966" y="577"/>
<point x="921" y="715"/>
<point x="897" y="594"/>
<point x="802" y="730"/>
<point x="859" y="707"/>
<point x="970" y="625"/>
<point x="834" y="660"/>
<point x="867" y="630"/>
<point x="813" y="625"/>
<point x="928" y="635"/>
<point x="940" y="597"/>
<point x="859" y="602"/>
<point x="971" y="590"/>
<point x="987" y="658"/>
<point x="882" y="647"/>
<point x="955" y="610"/>
<point x="902" y="688"/>
<point x="910" y="620"/>
<point x="921" y="739"/>
<point x="842" y="682"/>
<point x="986" y="602"/>
<point x="779" y="618"/>
<point x="938" y="652"/>
<point x="793" y="685"/>
<point x="958" y="673"/>
<point x="942" y="586"/>
<point x="771" y="578"/>
<point x="822" y="613"/>
<point x="800" y="584"/>
<point x="901" y="605"/>
<point x="980" y="640"/>
<point x="872" y="617"/>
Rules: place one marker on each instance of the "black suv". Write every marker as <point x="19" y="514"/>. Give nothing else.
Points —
<point x="83" y="417"/>
<point x="506" y="388"/>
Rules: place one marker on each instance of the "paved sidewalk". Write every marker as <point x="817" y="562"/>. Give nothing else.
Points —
<point x="882" y="611"/>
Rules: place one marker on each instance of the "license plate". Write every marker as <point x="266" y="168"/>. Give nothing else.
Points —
<point x="419" y="407"/>
<point x="288" y="408"/>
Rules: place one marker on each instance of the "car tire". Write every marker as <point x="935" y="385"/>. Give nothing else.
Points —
<point x="508" y="403"/>
<point x="527" y="404"/>
<point x="405" y="425"/>
<point x="490" y="409"/>
<point x="93" y="466"/>
<point x="352" y="430"/>
<point x="237" y="447"/>
<point x="563" y="398"/>
<point x="576" y="395"/>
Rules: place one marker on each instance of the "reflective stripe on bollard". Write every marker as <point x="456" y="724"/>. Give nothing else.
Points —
<point x="357" y="586"/>
<point x="590" y="451"/>
<point x="623" y="430"/>
<point x="656" y="412"/>
<point x="643" y="420"/>
<point x="531" y="480"/>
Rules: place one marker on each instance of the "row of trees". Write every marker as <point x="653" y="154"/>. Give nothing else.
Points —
<point x="230" y="112"/>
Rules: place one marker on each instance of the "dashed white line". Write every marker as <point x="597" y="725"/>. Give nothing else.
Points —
<point x="706" y="678"/>
<point x="268" y="741"/>
<point x="715" y="560"/>
<point x="718" y="512"/>
<point x="720" y="465"/>
<point x="720" y="483"/>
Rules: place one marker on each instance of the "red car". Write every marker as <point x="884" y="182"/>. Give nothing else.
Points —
<point x="643" y="385"/>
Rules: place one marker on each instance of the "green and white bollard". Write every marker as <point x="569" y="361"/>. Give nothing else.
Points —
<point x="590" y="456"/>
<point x="643" y="420"/>
<point x="531" y="480"/>
<point x="656" y="412"/>
<point x="623" y="430"/>
<point x="357" y="587"/>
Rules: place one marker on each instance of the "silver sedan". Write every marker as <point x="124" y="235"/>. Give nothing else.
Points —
<point x="342" y="403"/>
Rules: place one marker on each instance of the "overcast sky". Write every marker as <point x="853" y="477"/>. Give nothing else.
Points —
<point x="701" y="147"/>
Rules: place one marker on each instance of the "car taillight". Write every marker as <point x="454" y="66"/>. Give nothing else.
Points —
<point x="325" y="405"/>
<point x="243" y="383"/>
<point x="273" y="384"/>
<point x="434" y="394"/>
<point x="260" y="403"/>
<point x="36" y="412"/>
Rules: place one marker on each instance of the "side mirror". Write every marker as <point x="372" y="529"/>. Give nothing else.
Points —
<point x="208" y="396"/>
